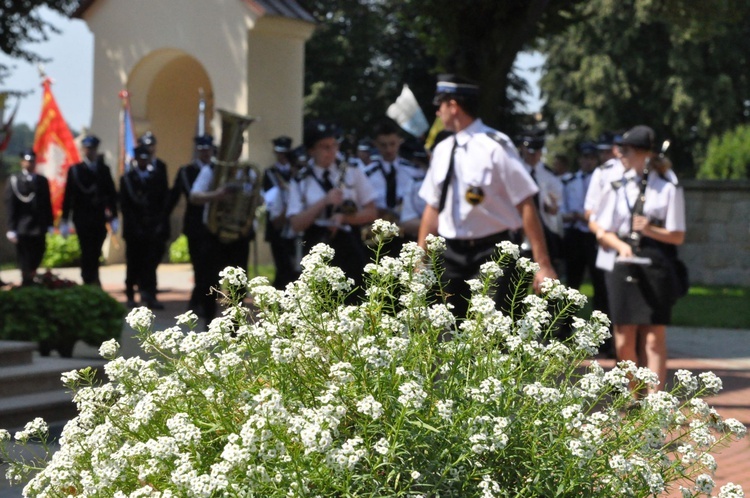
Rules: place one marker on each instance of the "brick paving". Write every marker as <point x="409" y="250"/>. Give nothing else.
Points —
<point x="726" y="353"/>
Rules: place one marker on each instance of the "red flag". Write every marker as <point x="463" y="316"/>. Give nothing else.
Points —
<point x="54" y="147"/>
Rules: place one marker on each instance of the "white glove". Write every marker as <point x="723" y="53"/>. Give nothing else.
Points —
<point x="114" y="224"/>
<point x="12" y="236"/>
<point x="64" y="229"/>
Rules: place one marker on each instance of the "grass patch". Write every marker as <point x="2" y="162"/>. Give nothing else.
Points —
<point x="705" y="306"/>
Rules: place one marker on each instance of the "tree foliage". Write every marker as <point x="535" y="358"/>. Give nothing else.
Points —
<point x="357" y="61"/>
<point x="675" y="65"/>
<point x="21" y="24"/>
<point x="364" y="50"/>
<point x="728" y="156"/>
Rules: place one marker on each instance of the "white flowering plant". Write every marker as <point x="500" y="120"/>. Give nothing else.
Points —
<point x="304" y="395"/>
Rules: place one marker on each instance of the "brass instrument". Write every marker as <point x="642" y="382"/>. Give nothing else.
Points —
<point x="231" y="217"/>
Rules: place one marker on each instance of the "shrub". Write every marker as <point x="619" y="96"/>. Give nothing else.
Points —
<point x="60" y="315"/>
<point x="728" y="156"/>
<point x="178" y="250"/>
<point x="61" y="252"/>
<point x="314" y="397"/>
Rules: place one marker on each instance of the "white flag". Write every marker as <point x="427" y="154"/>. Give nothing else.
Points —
<point x="407" y="113"/>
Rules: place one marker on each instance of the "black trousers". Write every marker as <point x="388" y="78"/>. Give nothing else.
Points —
<point x="580" y="255"/>
<point x="284" y="252"/>
<point x="218" y="255"/>
<point x="91" y="240"/>
<point x="142" y="257"/>
<point x="462" y="260"/>
<point x="29" y="254"/>
<point x="196" y="241"/>
<point x="350" y="252"/>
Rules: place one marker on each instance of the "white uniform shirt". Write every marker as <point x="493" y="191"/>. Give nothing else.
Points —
<point x="601" y="179"/>
<point x="412" y="205"/>
<point x="574" y="196"/>
<point x="480" y="162"/>
<point x="206" y="177"/>
<point x="376" y="172"/>
<point x="551" y="194"/>
<point x="664" y="203"/>
<point x="306" y="190"/>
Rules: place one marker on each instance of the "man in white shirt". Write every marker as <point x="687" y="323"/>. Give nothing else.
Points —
<point x="478" y="194"/>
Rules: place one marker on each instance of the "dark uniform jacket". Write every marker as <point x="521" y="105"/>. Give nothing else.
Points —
<point x="90" y="194"/>
<point x="192" y="221"/>
<point x="28" y="205"/>
<point x="143" y="203"/>
<point x="274" y="177"/>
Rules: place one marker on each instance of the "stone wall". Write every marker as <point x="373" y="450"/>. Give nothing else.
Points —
<point x="717" y="242"/>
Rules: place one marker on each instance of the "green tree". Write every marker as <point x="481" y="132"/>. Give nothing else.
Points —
<point x="675" y="65"/>
<point x="357" y="61"/>
<point x="364" y="50"/>
<point x="727" y="156"/>
<point x="21" y="24"/>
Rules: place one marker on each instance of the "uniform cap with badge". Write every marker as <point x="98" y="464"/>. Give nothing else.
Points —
<point x="282" y="144"/>
<point x="90" y="141"/>
<point x="316" y="131"/>
<point x="451" y="86"/>
<point x="203" y="142"/>
<point x="587" y="148"/>
<point x="533" y="143"/>
<point x="147" y="139"/>
<point x="639" y="137"/>
<point x="28" y="155"/>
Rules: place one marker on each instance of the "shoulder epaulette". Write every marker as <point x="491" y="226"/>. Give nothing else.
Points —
<point x="303" y="173"/>
<point x="373" y="167"/>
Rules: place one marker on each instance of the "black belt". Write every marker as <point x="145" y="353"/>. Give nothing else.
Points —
<point x="483" y="243"/>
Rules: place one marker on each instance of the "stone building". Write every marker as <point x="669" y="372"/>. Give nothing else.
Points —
<point x="247" y="56"/>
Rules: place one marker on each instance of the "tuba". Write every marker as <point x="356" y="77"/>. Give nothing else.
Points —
<point x="232" y="217"/>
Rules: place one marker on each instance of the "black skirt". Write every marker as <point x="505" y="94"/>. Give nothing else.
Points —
<point x="642" y="294"/>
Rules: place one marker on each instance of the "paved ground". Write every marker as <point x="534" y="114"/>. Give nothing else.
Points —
<point x="725" y="352"/>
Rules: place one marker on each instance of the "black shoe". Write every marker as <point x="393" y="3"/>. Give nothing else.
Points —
<point x="155" y="305"/>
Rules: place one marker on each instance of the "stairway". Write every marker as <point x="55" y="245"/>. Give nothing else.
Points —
<point x="30" y="385"/>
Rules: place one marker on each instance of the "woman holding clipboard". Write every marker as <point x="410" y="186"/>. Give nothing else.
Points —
<point x="641" y="220"/>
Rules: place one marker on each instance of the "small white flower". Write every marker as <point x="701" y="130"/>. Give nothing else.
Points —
<point x="735" y="427"/>
<point x="233" y="276"/>
<point x="508" y="248"/>
<point x="370" y="406"/>
<point x="69" y="378"/>
<point x="382" y="446"/>
<point x="415" y="475"/>
<point x="711" y="382"/>
<point x="384" y="230"/>
<point x="109" y="349"/>
<point x="435" y="244"/>
<point x="527" y="266"/>
<point x="140" y="318"/>
<point x="188" y="318"/>
<point x="731" y="490"/>
<point x="704" y="484"/>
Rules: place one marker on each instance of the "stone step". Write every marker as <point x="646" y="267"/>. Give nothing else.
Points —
<point x="52" y="406"/>
<point x="42" y="375"/>
<point x="14" y="353"/>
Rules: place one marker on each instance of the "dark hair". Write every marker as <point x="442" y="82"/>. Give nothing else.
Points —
<point x="386" y="127"/>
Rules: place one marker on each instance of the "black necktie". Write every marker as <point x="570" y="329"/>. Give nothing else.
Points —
<point x="536" y="196"/>
<point x="448" y="177"/>
<point x="390" y="188"/>
<point x="327" y="185"/>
